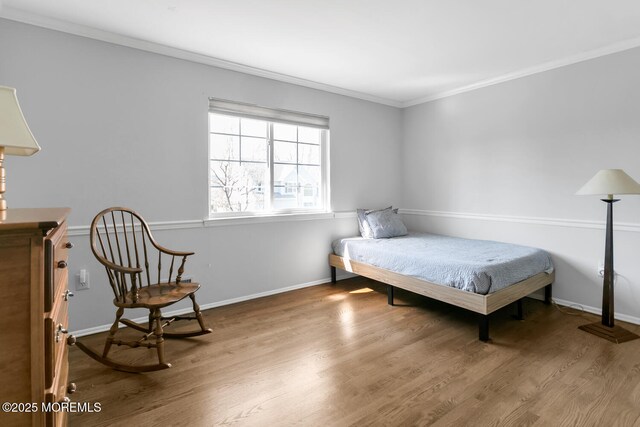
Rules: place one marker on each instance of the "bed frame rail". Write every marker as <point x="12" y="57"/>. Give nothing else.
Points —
<point x="481" y="304"/>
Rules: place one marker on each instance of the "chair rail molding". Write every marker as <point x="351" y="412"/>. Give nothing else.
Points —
<point x="83" y="230"/>
<point x="553" y="222"/>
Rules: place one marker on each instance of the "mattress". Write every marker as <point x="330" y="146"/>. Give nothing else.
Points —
<point x="479" y="266"/>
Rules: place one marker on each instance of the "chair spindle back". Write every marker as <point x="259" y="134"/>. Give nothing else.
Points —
<point x="121" y="241"/>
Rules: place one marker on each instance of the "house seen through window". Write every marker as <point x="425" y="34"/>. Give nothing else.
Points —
<point x="261" y="165"/>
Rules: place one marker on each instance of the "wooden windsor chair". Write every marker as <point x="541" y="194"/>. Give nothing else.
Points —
<point x="122" y="242"/>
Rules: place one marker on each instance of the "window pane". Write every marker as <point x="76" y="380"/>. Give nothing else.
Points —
<point x="310" y="135"/>
<point x="309" y="175"/>
<point x="239" y="199"/>
<point x="218" y="200"/>
<point x="309" y="180"/>
<point x="285" y="198"/>
<point x="285" y="152"/>
<point x="254" y="128"/>
<point x="309" y="154"/>
<point x="285" y="175"/>
<point x="309" y="197"/>
<point x="237" y="187"/>
<point x="254" y="149"/>
<point x="224" y="124"/>
<point x="224" y="147"/>
<point x="285" y="132"/>
<point x="285" y="190"/>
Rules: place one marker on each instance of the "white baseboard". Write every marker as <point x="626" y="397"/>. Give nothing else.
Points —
<point x="104" y="328"/>
<point x="598" y="311"/>
<point x="588" y="309"/>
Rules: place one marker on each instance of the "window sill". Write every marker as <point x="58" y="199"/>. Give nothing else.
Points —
<point x="260" y="219"/>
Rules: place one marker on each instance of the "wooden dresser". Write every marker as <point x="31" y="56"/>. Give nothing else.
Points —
<point x="33" y="315"/>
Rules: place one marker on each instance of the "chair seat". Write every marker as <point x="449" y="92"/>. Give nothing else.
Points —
<point x="158" y="295"/>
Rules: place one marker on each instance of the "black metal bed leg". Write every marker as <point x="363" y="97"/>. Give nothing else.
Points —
<point x="547" y="294"/>
<point x="333" y="274"/>
<point x="483" y="327"/>
<point x="389" y="294"/>
<point x="519" y="312"/>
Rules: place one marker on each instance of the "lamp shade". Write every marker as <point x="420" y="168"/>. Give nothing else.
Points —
<point x="15" y="135"/>
<point x="610" y="182"/>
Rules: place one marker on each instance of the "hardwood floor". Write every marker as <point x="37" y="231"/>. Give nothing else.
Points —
<point x="339" y="355"/>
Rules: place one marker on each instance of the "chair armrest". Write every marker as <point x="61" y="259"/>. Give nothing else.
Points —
<point x="174" y="253"/>
<point x="119" y="268"/>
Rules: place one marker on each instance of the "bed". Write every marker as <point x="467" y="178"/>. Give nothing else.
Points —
<point x="478" y="275"/>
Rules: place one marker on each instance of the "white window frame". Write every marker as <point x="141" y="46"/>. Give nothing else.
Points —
<point x="271" y="116"/>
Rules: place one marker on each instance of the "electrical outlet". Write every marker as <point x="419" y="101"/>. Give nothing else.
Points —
<point x="600" y="268"/>
<point x="83" y="280"/>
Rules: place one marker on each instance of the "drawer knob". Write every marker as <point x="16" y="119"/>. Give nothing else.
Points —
<point x="67" y="294"/>
<point x="65" y="400"/>
<point x="62" y="264"/>
<point x="71" y="340"/>
<point x="60" y="330"/>
<point x="71" y="388"/>
<point x="68" y="245"/>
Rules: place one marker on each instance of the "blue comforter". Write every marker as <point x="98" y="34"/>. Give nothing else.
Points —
<point x="479" y="266"/>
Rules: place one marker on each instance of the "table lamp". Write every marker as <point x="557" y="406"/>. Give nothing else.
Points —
<point x="15" y="137"/>
<point x="609" y="182"/>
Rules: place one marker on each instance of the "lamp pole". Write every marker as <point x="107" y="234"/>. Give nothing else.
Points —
<point x="608" y="311"/>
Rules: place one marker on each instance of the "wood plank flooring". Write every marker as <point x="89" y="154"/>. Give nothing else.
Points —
<point x="340" y="356"/>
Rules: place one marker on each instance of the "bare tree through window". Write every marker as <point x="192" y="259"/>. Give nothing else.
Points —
<point x="257" y="165"/>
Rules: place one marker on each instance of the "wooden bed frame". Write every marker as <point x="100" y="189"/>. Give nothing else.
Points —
<point x="481" y="304"/>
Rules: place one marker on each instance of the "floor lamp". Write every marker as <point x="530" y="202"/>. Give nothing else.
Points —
<point x="609" y="182"/>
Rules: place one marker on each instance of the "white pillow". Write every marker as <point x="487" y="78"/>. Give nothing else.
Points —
<point x="363" y="225"/>
<point x="385" y="223"/>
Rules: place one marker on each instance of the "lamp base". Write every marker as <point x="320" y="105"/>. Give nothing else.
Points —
<point x="614" y="334"/>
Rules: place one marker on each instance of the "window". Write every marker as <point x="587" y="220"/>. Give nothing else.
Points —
<point x="266" y="161"/>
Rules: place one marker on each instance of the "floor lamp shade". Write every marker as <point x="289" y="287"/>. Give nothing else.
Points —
<point x="16" y="138"/>
<point x="609" y="182"/>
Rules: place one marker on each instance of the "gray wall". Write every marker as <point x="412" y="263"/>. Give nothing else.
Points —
<point x="119" y="126"/>
<point x="522" y="149"/>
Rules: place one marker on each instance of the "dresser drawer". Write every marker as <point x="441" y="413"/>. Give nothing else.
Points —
<point x="55" y="340"/>
<point x="56" y="255"/>
<point x="58" y="393"/>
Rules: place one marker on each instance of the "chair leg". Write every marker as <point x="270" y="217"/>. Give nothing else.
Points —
<point x="112" y="332"/>
<point x="196" y="310"/>
<point x="157" y="317"/>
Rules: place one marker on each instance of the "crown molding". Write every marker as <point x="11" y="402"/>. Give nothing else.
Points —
<point x="147" y="46"/>
<point x="547" y="66"/>
<point x="113" y="38"/>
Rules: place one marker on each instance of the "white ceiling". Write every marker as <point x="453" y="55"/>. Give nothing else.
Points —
<point x="398" y="52"/>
